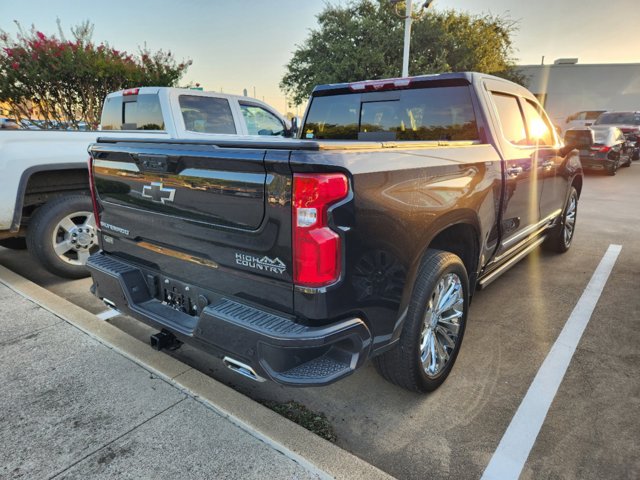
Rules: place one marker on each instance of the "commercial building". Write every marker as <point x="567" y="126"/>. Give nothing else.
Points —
<point x="567" y="86"/>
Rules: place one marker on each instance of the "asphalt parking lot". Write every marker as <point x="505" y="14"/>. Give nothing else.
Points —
<point x="592" y="429"/>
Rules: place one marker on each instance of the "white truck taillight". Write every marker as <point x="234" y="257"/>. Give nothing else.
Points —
<point x="317" y="250"/>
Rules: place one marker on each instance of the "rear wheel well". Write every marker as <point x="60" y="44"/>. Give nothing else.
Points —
<point x="462" y="240"/>
<point x="42" y="186"/>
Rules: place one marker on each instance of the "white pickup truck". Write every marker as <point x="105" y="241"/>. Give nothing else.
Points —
<point x="44" y="189"/>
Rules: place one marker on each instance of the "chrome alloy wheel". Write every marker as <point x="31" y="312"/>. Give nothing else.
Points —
<point x="570" y="220"/>
<point x="441" y="324"/>
<point x="75" y="238"/>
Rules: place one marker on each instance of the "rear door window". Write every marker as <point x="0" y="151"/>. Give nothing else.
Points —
<point x="206" y="114"/>
<point x="538" y="127"/>
<point x="136" y="112"/>
<point x="443" y="113"/>
<point x="510" y="118"/>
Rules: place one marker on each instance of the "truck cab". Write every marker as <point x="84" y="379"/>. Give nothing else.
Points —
<point x="187" y="113"/>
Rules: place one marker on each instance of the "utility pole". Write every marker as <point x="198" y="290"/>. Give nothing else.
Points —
<point x="408" y="19"/>
<point x="407" y="38"/>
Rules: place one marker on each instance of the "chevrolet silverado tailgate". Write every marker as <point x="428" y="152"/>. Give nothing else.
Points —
<point x="199" y="214"/>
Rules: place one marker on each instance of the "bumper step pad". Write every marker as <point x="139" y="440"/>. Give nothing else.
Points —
<point x="275" y="345"/>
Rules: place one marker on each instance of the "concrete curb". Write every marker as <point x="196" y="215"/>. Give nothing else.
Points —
<point x="307" y="449"/>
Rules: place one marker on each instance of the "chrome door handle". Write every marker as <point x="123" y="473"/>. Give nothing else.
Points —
<point x="547" y="163"/>
<point x="514" y="171"/>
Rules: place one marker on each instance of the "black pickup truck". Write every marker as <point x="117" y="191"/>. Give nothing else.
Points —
<point x="297" y="260"/>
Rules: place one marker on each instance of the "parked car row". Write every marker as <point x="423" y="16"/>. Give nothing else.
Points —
<point x="606" y="143"/>
<point x="31" y="124"/>
<point x="8" y="124"/>
<point x="582" y="119"/>
<point x="627" y="121"/>
<point x="601" y="148"/>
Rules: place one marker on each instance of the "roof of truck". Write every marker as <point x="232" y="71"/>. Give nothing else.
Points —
<point x="184" y="91"/>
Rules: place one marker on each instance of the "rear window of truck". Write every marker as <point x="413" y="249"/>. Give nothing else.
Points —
<point x="206" y="114"/>
<point x="442" y="113"/>
<point x="136" y="112"/>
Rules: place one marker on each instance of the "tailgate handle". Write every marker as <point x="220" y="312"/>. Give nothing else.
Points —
<point x="152" y="163"/>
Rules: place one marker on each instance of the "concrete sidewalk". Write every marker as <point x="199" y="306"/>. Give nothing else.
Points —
<point x="81" y="399"/>
<point x="73" y="408"/>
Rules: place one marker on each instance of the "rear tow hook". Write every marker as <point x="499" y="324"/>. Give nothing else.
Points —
<point x="164" y="340"/>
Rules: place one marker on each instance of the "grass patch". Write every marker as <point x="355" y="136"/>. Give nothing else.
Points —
<point x="298" y="413"/>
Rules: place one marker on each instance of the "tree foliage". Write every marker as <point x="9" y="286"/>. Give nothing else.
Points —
<point x="364" y="40"/>
<point x="66" y="81"/>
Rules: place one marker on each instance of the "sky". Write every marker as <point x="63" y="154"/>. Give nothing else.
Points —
<point x="238" y="44"/>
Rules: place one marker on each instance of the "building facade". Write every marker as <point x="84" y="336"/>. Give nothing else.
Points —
<point x="567" y="87"/>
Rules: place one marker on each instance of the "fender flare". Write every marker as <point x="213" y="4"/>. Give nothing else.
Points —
<point x="440" y="224"/>
<point x="24" y="180"/>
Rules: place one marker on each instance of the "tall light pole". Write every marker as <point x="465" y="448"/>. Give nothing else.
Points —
<point x="408" y="19"/>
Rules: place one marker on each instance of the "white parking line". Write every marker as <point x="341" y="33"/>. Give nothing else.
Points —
<point x="514" y="448"/>
<point x="107" y="314"/>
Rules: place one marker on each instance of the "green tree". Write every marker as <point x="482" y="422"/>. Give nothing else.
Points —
<point x="364" y="40"/>
<point x="66" y="81"/>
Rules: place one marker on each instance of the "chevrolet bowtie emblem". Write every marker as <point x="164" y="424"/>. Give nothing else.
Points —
<point x="157" y="193"/>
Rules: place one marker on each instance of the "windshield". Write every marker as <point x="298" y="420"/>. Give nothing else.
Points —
<point x="443" y="113"/>
<point x="618" y="118"/>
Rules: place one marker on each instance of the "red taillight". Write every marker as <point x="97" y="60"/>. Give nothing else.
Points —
<point x="130" y="91"/>
<point x="94" y="197"/>
<point x="317" y="250"/>
<point x="600" y="148"/>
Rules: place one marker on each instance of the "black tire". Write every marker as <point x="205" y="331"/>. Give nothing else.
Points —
<point x="45" y="233"/>
<point x="15" y="243"/>
<point x="561" y="237"/>
<point x="628" y="162"/>
<point x="403" y="364"/>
